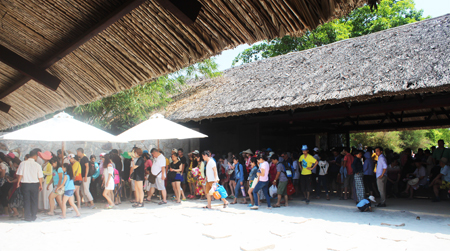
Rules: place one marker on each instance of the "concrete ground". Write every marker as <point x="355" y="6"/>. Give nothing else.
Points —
<point x="321" y="225"/>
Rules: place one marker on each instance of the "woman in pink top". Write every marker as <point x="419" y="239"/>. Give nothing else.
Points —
<point x="263" y="181"/>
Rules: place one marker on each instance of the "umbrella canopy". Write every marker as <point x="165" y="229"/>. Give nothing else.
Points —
<point x="62" y="127"/>
<point x="157" y="127"/>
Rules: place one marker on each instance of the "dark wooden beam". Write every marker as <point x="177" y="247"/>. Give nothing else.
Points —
<point x="28" y="69"/>
<point x="185" y="10"/>
<point x="123" y="10"/>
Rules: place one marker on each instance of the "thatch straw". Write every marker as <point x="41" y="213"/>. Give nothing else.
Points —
<point x="143" y="45"/>
<point x="413" y="58"/>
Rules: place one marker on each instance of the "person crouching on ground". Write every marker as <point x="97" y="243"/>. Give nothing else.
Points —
<point x="364" y="205"/>
<point x="69" y="189"/>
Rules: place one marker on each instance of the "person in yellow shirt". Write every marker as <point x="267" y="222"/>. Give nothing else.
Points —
<point x="76" y="167"/>
<point x="307" y="163"/>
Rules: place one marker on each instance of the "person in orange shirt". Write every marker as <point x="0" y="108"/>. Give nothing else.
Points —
<point x="76" y="167"/>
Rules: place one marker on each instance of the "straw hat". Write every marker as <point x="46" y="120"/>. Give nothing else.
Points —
<point x="248" y="151"/>
<point x="47" y="155"/>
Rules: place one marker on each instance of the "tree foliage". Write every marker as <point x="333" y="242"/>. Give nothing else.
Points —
<point x="362" y="21"/>
<point x="125" y="109"/>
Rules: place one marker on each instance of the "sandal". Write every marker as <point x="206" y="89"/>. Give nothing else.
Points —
<point x="225" y="205"/>
<point x="162" y="203"/>
<point x="275" y="206"/>
<point x="135" y="205"/>
<point x="205" y="207"/>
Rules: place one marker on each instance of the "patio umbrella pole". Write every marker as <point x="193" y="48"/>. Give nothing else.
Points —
<point x="157" y="143"/>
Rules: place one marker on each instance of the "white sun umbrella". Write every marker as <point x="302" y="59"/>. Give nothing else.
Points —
<point x="61" y="128"/>
<point x="156" y="128"/>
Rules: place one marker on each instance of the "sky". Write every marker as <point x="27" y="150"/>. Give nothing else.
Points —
<point x="433" y="8"/>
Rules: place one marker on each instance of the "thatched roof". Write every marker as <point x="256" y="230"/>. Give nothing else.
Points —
<point x="413" y="58"/>
<point x="146" y="43"/>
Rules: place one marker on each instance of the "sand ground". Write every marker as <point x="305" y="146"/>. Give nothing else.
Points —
<point x="321" y="225"/>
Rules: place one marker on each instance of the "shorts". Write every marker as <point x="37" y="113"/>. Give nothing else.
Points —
<point x="77" y="183"/>
<point x="159" y="184"/>
<point x="363" y="208"/>
<point x="305" y="182"/>
<point x="132" y="185"/>
<point x="68" y="193"/>
<point x="282" y="188"/>
<point x="137" y="177"/>
<point x="445" y="185"/>
<point x="208" y="187"/>
<point x="348" y="182"/>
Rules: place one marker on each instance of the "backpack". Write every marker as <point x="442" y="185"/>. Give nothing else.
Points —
<point x="92" y="169"/>
<point x="116" y="176"/>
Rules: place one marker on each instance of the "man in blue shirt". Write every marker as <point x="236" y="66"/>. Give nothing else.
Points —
<point x="381" y="175"/>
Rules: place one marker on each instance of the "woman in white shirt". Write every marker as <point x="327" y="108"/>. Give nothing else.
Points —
<point x="263" y="181"/>
<point x="108" y="180"/>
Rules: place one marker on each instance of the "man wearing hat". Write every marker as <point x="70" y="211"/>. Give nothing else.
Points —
<point x="442" y="180"/>
<point x="307" y="164"/>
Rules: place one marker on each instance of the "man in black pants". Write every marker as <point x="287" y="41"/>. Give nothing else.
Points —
<point x="30" y="177"/>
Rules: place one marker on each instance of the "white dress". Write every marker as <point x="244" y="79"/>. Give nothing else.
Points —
<point x="106" y="172"/>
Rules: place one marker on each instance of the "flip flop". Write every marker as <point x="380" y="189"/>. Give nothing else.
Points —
<point x="275" y="206"/>
<point x="205" y="207"/>
<point x="225" y="205"/>
<point x="232" y="203"/>
<point x="162" y="203"/>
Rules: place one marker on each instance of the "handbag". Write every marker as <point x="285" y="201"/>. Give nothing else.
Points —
<point x="290" y="189"/>
<point x="255" y="181"/>
<point x="152" y="178"/>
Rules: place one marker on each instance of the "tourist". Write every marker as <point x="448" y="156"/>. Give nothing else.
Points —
<point x="296" y="170"/>
<point x="381" y="176"/>
<point x="442" y="180"/>
<point x="347" y="163"/>
<point x="282" y="179"/>
<point x="263" y="181"/>
<point x="440" y="152"/>
<point x="201" y="178"/>
<point x="30" y="179"/>
<point x="78" y="178"/>
<point x="69" y="187"/>
<point x="147" y="165"/>
<point x="138" y="176"/>
<point x="190" y="180"/>
<point x="364" y="205"/>
<point x="252" y="180"/>
<point x="232" y="174"/>
<point x="15" y="200"/>
<point x="108" y="180"/>
<point x="57" y="179"/>
<point x="47" y="170"/>
<point x="86" y="174"/>
<point x="94" y="178"/>
<point x="416" y="179"/>
<point x="368" y="167"/>
<point x="175" y="176"/>
<point x="183" y="161"/>
<point x="322" y="176"/>
<point x="393" y="173"/>
<point x="224" y="176"/>
<point x="158" y="170"/>
<point x="239" y="180"/>
<point x="307" y="164"/>
<point x="211" y="177"/>
<point x="333" y="171"/>
<point x="4" y="184"/>
<point x="358" y="172"/>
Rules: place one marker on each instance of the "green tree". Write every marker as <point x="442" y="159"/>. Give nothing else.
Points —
<point x="387" y="140"/>
<point x="125" y="109"/>
<point x="362" y="21"/>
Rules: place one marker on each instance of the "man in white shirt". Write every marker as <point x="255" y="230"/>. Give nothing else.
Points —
<point x="30" y="178"/>
<point x="158" y="169"/>
<point x="211" y="177"/>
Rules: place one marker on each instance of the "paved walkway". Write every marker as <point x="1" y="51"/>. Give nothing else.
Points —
<point x="321" y="225"/>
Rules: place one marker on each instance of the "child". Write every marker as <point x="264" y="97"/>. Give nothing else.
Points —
<point x="364" y="205"/>
<point x="69" y="188"/>
<point x="147" y="184"/>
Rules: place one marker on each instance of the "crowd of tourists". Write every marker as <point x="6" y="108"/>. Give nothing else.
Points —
<point x="45" y="180"/>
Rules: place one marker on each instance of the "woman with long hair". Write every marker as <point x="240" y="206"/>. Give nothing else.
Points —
<point x="263" y="181"/>
<point x="69" y="188"/>
<point x="108" y="180"/>
<point x="139" y="176"/>
<point x="176" y="176"/>
<point x="190" y="179"/>
<point x="251" y="180"/>
<point x="201" y="178"/>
